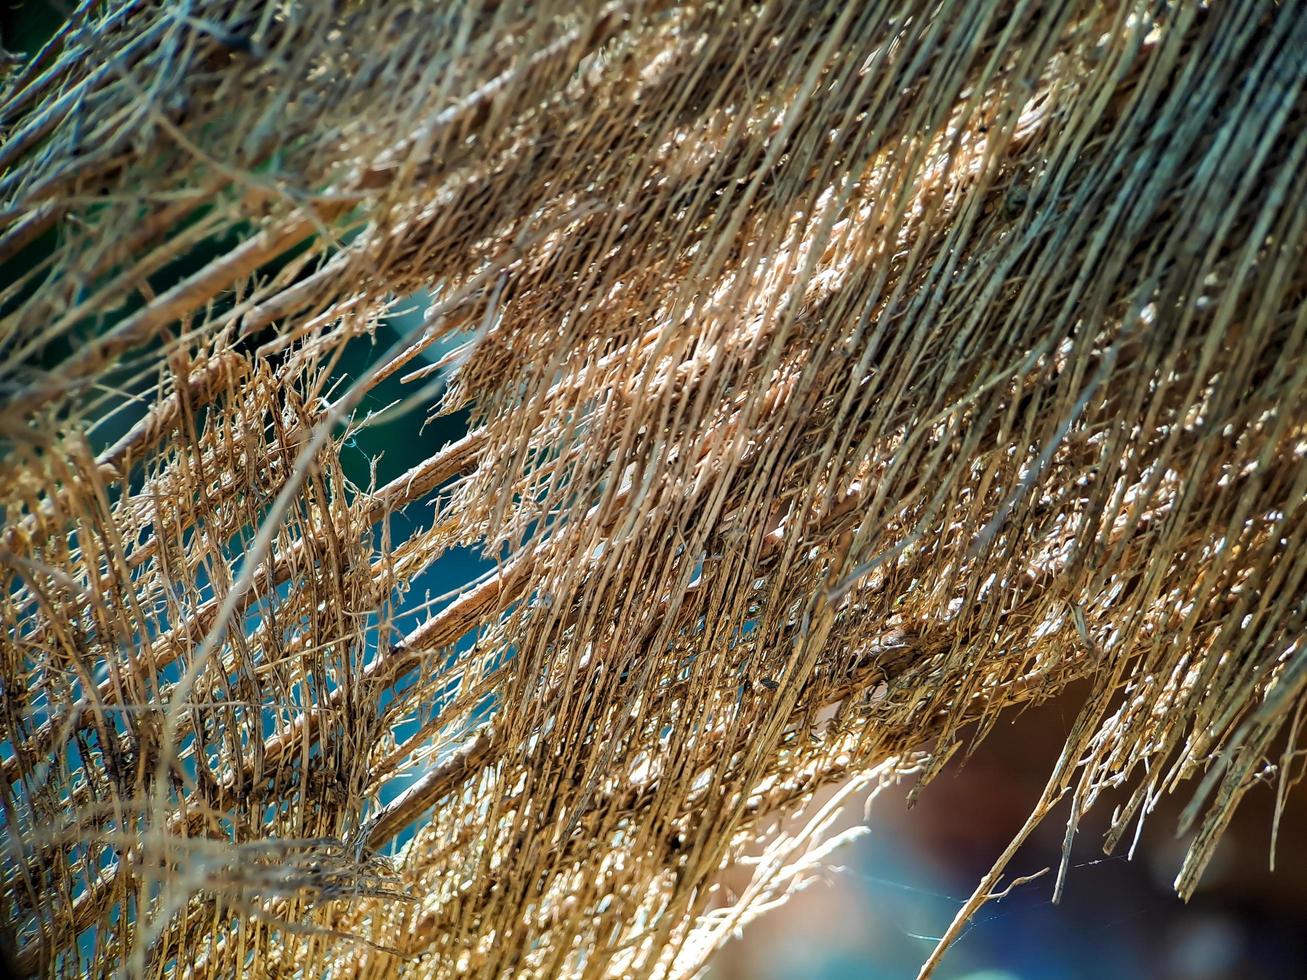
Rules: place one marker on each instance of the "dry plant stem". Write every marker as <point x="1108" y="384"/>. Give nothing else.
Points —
<point x="178" y="302"/>
<point x="1053" y="792"/>
<point x="391" y="498"/>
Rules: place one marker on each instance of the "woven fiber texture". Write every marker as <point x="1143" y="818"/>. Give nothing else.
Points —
<point x="840" y="375"/>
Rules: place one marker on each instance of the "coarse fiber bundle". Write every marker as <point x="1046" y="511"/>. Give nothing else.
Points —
<point x="838" y="376"/>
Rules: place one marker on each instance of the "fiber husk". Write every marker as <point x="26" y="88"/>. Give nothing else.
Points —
<point x="842" y="376"/>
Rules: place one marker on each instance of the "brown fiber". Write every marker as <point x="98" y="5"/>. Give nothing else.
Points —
<point x="841" y="376"/>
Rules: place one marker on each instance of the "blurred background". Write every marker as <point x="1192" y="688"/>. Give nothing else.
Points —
<point x="901" y="884"/>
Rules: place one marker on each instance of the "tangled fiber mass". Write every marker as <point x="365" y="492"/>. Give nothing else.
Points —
<point x="840" y="376"/>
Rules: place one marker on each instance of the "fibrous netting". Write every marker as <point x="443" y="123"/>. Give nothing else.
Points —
<point x="840" y="376"/>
